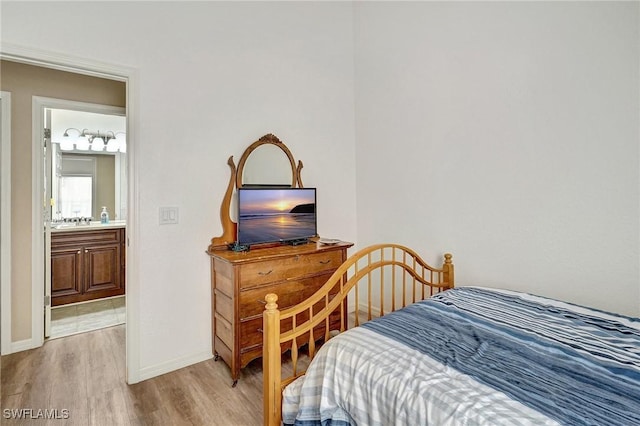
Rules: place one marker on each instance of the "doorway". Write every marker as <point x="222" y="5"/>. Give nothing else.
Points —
<point x="31" y="332"/>
<point x="85" y="174"/>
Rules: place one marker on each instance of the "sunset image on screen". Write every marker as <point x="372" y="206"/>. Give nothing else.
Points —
<point x="270" y="214"/>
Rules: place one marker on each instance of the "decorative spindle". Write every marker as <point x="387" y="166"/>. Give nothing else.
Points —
<point x="271" y="300"/>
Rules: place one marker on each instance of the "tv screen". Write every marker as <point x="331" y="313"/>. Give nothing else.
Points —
<point x="276" y="214"/>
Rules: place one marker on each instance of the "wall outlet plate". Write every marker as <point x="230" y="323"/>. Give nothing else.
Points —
<point x="168" y="215"/>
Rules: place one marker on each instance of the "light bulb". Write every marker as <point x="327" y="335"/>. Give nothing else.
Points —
<point x="82" y="144"/>
<point x="97" y="144"/>
<point x="113" y="145"/>
<point x="66" y="145"/>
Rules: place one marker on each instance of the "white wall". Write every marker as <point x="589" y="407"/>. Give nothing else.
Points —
<point x="508" y="134"/>
<point x="213" y="78"/>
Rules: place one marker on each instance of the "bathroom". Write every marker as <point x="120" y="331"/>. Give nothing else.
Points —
<point x="86" y="236"/>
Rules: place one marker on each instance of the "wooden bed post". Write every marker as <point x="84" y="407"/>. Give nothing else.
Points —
<point x="271" y="362"/>
<point x="448" y="270"/>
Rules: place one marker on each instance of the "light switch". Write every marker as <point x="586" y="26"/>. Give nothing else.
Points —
<point x="168" y="215"/>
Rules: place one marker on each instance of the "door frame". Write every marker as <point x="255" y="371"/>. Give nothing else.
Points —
<point x="43" y="239"/>
<point x="5" y="222"/>
<point x="129" y="76"/>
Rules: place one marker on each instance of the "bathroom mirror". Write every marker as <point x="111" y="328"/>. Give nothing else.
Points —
<point x="266" y="162"/>
<point x="84" y="177"/>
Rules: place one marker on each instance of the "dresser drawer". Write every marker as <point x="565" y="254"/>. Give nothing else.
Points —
<point x="224" y="331"/>
<point x="240" y="282"/>
<point x="222" y="274"/>
<point x="259" y="273"/>
<point x="289" y="293"/>
<point x="83" y="237"/>
<point x="251" y="332"/>
<point x="224" y="306"/>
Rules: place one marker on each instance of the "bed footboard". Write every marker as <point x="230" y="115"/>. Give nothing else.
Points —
<point x="379" y="280"/>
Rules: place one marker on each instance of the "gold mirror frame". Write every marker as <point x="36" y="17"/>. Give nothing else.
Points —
<point x="229" y="227"/>
<point x="256" y="161"/>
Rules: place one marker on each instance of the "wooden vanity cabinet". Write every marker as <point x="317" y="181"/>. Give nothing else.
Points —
<point x="241" y="280"/>
<point x="87" y="264"/>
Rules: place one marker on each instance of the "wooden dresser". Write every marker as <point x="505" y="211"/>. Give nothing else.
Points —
<point x="240" y="281"/>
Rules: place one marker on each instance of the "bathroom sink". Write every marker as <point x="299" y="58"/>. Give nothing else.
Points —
<point x="65" y="225"/>
<point x="92" y="225"/>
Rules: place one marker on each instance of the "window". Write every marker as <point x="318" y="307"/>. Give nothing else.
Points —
<point x="76" y="186"/>
<point x="76" y="196"/>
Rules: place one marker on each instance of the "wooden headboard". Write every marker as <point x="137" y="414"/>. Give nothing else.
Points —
<point x="380" y="279"/>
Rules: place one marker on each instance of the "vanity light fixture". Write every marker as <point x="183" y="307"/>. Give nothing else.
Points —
<point x="96" y="141"/>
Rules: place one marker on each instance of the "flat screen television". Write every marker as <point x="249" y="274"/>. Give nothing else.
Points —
<point x="268" y="215"/>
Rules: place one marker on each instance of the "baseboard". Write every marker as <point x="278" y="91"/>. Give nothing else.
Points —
<point x="22" y="345"/>
<point x="172" y="365"/>
<point x="364" y="308"/>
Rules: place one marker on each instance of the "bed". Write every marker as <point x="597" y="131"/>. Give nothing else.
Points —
<point x="465" y="355"/>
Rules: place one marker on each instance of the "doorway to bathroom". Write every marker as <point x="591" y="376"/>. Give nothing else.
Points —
<point x="85" y="219"/>
<point x="38" y="73"/>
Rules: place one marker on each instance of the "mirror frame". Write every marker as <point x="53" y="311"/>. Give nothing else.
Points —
<point x="266" y="140"/>
<point x="229" y="227"/>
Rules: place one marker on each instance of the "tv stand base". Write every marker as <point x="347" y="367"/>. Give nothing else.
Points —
<point x="296" y="242"/>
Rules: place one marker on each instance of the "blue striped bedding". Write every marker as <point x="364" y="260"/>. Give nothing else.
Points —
<point x="476" y="356"/>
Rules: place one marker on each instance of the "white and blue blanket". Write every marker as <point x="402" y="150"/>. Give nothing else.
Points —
<point x="476" y="356"/>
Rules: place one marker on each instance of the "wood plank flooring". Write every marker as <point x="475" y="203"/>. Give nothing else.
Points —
<point x="85" y="374"/>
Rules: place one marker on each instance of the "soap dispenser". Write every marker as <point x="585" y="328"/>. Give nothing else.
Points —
<point x="104" y="216"/>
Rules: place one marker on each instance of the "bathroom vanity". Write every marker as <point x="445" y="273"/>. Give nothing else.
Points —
<point x="87" y="262"/>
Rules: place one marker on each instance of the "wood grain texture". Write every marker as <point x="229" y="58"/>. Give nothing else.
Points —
<point x="390" y="270"/>
<point x="87" y="265"/>
<point x="84" y="374"/>
<point x="235" y="181"/>
<point x="241" y="280"/>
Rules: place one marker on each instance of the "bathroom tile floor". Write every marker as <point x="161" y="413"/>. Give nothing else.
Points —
<point x="74" y="319"/>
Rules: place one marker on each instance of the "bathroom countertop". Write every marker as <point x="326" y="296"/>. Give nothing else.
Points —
<point x="71" y="227"/>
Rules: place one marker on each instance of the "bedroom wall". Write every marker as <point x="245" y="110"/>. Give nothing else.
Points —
<point x="508" y="134"/>
<point x="213" y="78"/>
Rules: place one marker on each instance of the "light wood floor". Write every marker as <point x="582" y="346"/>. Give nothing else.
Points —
<point x="85" y="375"/>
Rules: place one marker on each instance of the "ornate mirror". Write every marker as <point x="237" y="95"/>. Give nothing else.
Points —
<point x="266" y="162"/>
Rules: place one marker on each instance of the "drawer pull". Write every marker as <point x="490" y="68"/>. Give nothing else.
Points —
<point x="324" y="262"/>
<point x="264" y="302"/>
<point x="79" y="251"/>
<point x="265" y="273"/>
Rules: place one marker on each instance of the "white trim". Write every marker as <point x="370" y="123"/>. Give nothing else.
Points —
<point x="55" y="103"/>
<point x="39" y="104"/>
<point x="37" y="222"/>
<point x="63" y="62"/>
<point x="133" y="236"/>
<point x="22" y="345"/>
<point x="130" y="76"/>
<point x="38" y="257"/>
<point x="5" y="223"/>
<point x="375" y="310"/>
<point x="121" y="190"/>
<point x="174" y="364"/>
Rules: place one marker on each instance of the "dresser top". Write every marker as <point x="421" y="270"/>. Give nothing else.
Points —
<point x="275" y="252"/>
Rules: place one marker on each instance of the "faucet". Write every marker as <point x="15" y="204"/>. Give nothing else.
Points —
<point x="83" y="220"/>
<point x="77" y="220"/>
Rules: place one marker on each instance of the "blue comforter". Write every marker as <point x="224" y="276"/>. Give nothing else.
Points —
<point x="476" y="356"/>
<point x="572" y="365"/>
